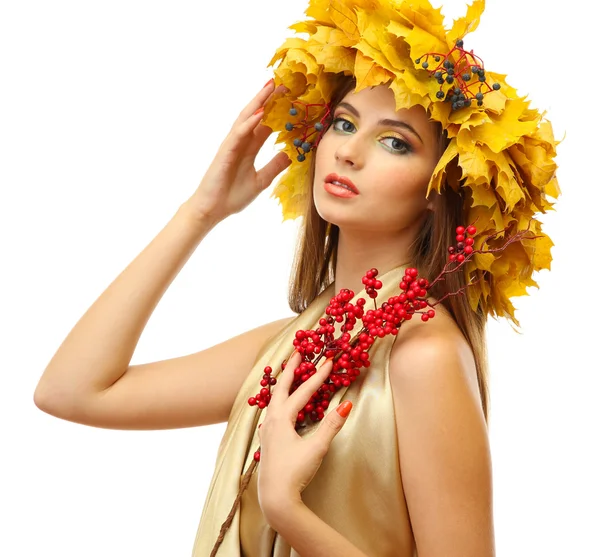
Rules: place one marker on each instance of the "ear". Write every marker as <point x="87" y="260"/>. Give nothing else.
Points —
<point x="431" y="200"/>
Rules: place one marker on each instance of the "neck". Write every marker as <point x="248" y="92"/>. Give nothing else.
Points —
<point x="360" y="250"/>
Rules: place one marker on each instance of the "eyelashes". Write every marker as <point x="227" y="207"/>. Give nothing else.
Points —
<point x="401" y="147"/>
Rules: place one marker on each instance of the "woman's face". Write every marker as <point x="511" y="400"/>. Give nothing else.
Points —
<point x="389" y="156"/>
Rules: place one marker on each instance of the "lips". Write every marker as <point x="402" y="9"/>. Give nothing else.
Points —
<point x="342" y="180"/>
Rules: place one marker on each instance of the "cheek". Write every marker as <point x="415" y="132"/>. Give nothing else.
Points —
<point x="406" y="182"/>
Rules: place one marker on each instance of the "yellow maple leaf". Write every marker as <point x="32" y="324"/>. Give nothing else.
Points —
<point x="396" y="51"/>
<point x="423" y="42"/>
<point x="345" y="18"/>
<point x="504" y="129"/>
<point x="398" y="29"/>
<point x="466" y="24"/>
<point x="475" y="165"/>
<point x="422" y="15"/>
<point x="406" y="97"/>
<point x="368" y="73"/>
<point x="306" y="27"/>
<point x="439" y="172"/>
<point x="319" y="10"/>
<point x="374" y="54"/>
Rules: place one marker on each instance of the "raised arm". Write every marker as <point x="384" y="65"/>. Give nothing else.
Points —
<point x="89" y="379"/>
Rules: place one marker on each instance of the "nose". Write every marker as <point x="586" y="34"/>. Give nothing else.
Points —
<point x="350" y="152"/>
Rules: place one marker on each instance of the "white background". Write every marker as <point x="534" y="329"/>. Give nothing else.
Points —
<point x="110" y="113"/>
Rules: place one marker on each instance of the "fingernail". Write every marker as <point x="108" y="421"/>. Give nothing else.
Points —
<point x="344" y="409"/>
<point x="268" y="82"/>
<point x="261" y="109"/>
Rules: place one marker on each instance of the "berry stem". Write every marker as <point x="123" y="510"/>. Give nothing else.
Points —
<point x="225" y="526"/>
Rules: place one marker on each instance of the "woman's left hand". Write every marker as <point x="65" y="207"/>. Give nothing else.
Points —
<point x="288" y="462"/>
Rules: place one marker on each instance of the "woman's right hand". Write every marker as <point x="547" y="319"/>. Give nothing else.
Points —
<point x="231" y="182"/>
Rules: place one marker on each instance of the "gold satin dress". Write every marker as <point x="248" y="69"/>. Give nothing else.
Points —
<point x="358" y="488"/>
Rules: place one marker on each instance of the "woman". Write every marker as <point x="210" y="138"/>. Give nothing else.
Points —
<point x="409" y="470"/>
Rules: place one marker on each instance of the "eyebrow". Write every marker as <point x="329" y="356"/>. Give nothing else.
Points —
<point x="385" y="122"/>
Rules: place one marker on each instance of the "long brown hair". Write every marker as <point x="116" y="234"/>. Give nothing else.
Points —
<point x="313" y="268"/>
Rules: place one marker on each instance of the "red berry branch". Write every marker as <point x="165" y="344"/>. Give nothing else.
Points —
<point x="351" y="353"/>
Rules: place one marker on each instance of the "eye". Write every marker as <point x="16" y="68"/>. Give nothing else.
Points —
<point x="346" y="129"/>
<point x="398" y="146"/>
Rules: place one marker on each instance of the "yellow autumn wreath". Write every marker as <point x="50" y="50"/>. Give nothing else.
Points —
<point x="504" y="149"/>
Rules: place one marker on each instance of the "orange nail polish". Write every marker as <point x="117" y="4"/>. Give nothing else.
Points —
<point x="344" y="409"/>
<point x="268" y="82"/>
<point x="259" y="110"/>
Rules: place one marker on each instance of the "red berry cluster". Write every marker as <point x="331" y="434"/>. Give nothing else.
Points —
<point x="263" y="398"/>
<point x="464" y="245"/>
<point x="349" y="354"/>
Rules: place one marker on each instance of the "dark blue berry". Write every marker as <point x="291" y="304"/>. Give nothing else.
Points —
<point x="440" y="94"/>
<point x="425" y="65"/>
<point x="289" y="127"/>
<point x="449" y="79"/>
<point x="466" y="76"/>
<point x="437" y="58"/>
<point x="496" y="86"/>
<point x="301" y="158"/>
<point x="318" y="126"/>
<point x="459" y="43"/>
<point x="479" y="96"/>
<point x="297" y="142"/>
<point x="293" y="111"/>
<point x="306" y="146"/>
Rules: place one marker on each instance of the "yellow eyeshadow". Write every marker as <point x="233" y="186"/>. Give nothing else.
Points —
<point x="393" y="134"/>
<point x="386" y="134"/>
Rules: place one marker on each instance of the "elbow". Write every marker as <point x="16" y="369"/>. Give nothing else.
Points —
<point x="51" y="400"/>
<point x="43" y="400"/>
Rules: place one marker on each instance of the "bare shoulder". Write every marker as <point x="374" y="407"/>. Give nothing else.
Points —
<point x="435" y="350"/>
<point x="443" y="444"/>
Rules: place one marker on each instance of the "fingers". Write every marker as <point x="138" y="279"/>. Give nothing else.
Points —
<point x="285" y="380"/>
<point x="259" y="100"/>
<point x="274" y="167"/>
<point x="240" y="132"/>
<point x="331" y="426"/>
<point x="249" y="119"/>
<point x="302" y="394"/>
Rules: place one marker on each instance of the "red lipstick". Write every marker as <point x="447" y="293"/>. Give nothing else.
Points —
<point x="339" y="184"/>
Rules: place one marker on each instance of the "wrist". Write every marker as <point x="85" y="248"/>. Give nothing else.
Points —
<point x="200" y="222"/>
<point x="279" y="510"/>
